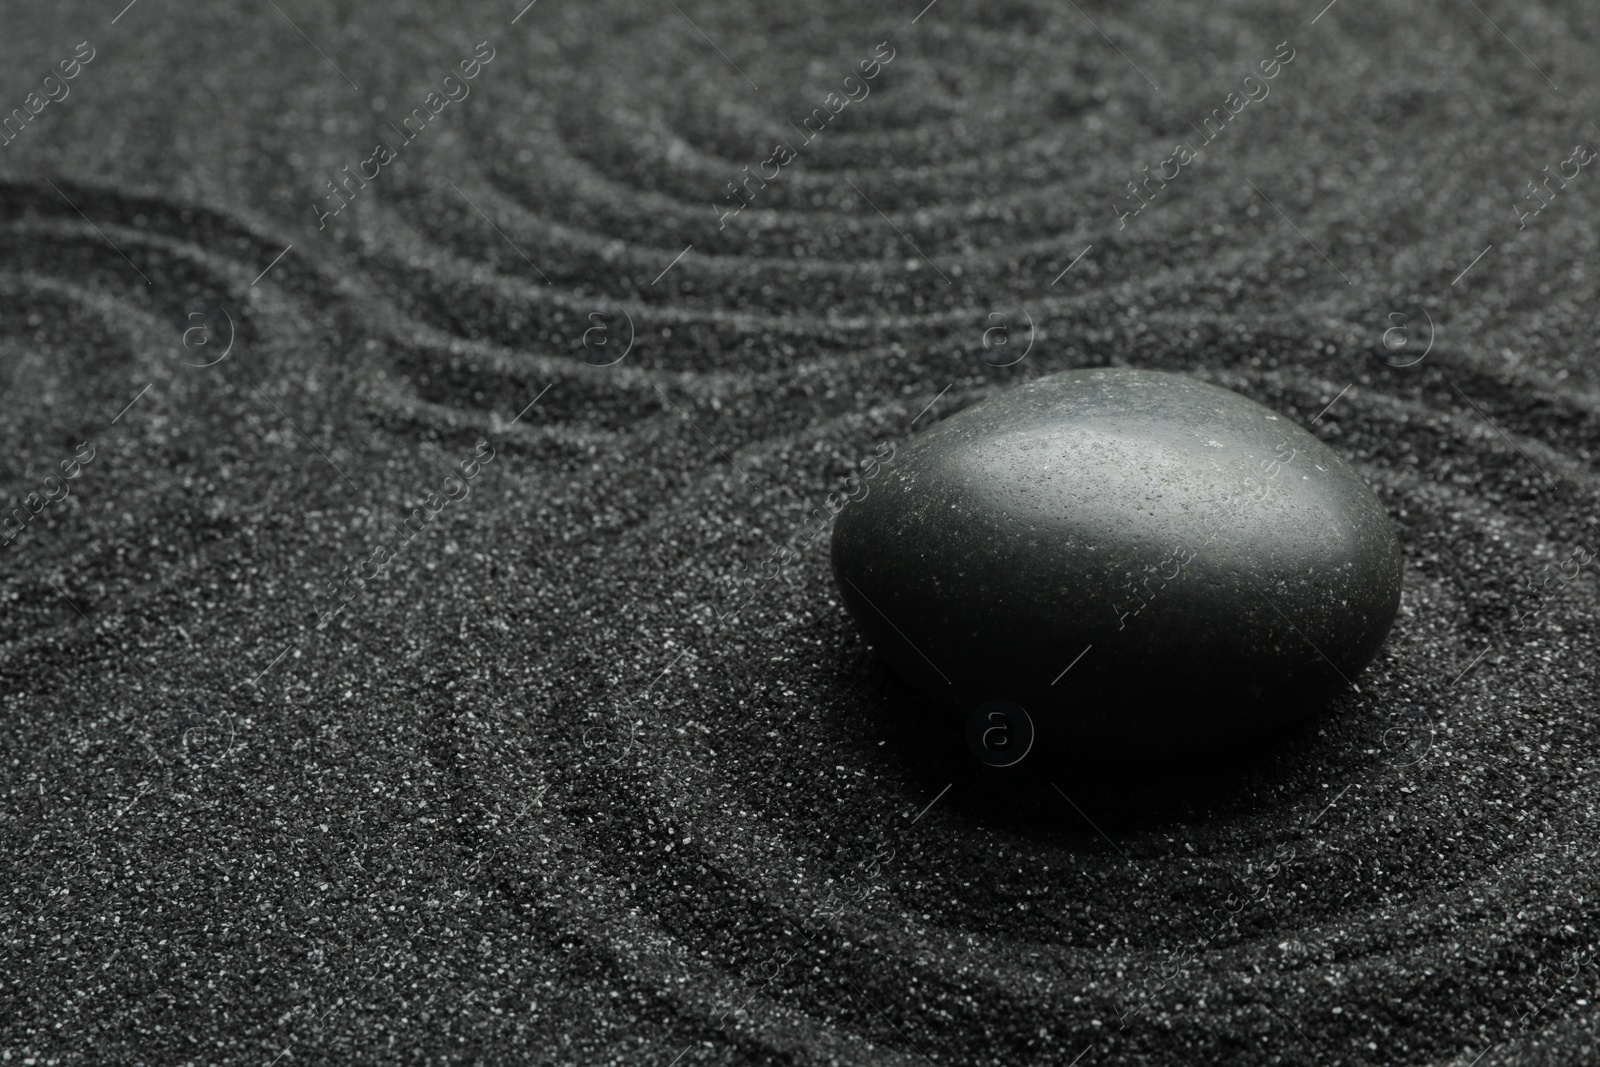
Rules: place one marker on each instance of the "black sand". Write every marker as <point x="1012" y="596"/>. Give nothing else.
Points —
<point x="428" y="833"/>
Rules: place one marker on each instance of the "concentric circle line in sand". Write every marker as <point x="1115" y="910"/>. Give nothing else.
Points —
<point x="1069" y="266"/>
<point x="664" y="670"/>
<point x="674" y="263"/>
<point x="529" y="408"/>
<point x="1332" y="402"/>
<point x="273" y="664"/>
<point x="497" y="229"/>
<point x="1275" y="1010"/>
<point x="132" y="402"/>
<point x="1113" y="44"/>
<point x="1102" y="833"/>
<point x="309" y="441"/>
<point x="1512" y="43"/>
<point x="932" y="402"/>
<point x="142" y="791"/>
<point x="98" y="230"/>
<point x="269" y="266"/>
<point x="498" y="637"/>
<point x="888" y="1020"/>
<point x="1142" y="877"/>
<point x="702" y="433"/>
<point x="897" y="230"/>
<point x="1297" y="229"/>
<point x="1473" y="664"/>
<point x="1474" y="263"/>
<point x="713" y="44"/>
<point x="97" y="629"/>
<point x="1499" y="431"/>
<point x="313" y="44"/>
<point x="1324" y="11"/>
<point x="1329" y="807"/>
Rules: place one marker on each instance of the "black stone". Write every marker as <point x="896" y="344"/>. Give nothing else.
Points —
<point x="1145" y="563"/>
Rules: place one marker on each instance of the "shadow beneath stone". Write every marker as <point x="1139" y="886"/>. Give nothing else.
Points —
<point x="1052" y="789"/>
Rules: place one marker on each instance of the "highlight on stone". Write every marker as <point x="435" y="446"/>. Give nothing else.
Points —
<point x="1145" y="563"/>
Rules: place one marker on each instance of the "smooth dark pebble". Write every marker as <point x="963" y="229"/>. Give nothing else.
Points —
<point x="1145" y="563"/>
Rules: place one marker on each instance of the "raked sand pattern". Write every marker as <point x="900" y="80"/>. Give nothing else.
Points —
<point x="423" y="679"/>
